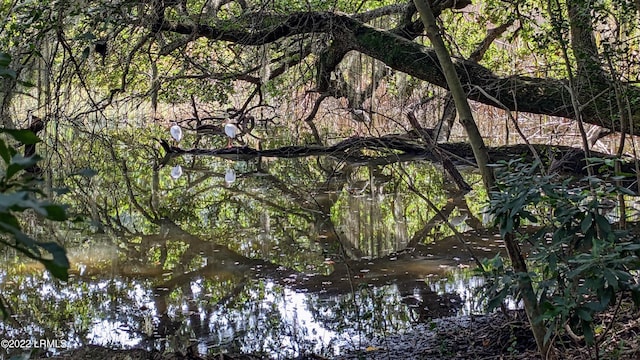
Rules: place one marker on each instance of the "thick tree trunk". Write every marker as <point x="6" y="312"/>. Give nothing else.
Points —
<point x="525" y="94"/>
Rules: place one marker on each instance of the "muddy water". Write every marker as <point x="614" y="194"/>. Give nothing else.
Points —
<point x="280" y="257"/>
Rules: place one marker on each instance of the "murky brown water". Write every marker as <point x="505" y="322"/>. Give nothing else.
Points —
<point x="279" y="257"/>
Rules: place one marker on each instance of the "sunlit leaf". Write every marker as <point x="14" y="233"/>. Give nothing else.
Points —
<point x="11" y="200"/>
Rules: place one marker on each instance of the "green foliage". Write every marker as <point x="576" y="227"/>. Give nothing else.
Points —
<point x="5" y="70"/>
<point x="582" y="263"/>
<point x="19" y="194"/>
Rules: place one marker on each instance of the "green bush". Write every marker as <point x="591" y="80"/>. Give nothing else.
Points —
<point x="20" y="193"/>
<point x="581" y="264"/>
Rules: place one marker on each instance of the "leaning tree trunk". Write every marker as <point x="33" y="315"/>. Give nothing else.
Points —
<point x="459" y="96"/>
<point x="482" y="158"/>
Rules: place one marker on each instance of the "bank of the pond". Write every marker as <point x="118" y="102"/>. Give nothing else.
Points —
<point x="493" y="336"/>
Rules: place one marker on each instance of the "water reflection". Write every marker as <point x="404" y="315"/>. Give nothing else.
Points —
<point x="262" y="317"/>
<point x="302" y="255"/>
<point x="226" y="303"/>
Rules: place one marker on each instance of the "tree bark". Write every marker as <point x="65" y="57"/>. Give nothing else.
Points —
<point x="458" y="93"/>
<point x="522" y="93"/>
<point x="482" y="158"/>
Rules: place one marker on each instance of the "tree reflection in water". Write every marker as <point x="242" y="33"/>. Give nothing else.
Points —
<point x="295" y="255"/>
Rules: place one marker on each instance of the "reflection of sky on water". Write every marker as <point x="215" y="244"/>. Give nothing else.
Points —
<point x="269" y="318"/>
<point x="222" y="267"/>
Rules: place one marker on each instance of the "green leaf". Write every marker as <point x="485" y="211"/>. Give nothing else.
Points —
<point x="547" y="335"/>
<point x="59" y="272"/>
<point x="86" y="36"/>
<point x="603" y="223"/>
<point x="5" y="153"/>
<point x="611" y="278"/>
<point x="24" y="243"/>
<point x="19" y="162"/>
<point x="605" y="298"/>
<point x="4" y="309"/>
<point x="584" y="314"/>
<point x="86" y="172"/>
<point x="26" y="84"/>
<point x="55" y="212"/>
<point x="497" y="300"/>
<point x="8" y="221"/>
<point x="24" y="136"/>
<point x="585" y="224"/>
<point x="13" y="200"/>
<point x="594" y="306"/>
<point x="625" y="191"/>
<point x="588" y="333"/>
<point x="25" y="161"/>
<point x="59" y="265"/>
<point x="8" y="73"/>
<point x="635" y="295"/>
<point x="85" y="53"/>
<point x="61" y="191"/>
<point x="12" y="170"/>
<point x="5" y="59"/>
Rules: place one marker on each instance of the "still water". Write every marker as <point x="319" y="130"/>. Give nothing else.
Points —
<point x="272" y="256"/>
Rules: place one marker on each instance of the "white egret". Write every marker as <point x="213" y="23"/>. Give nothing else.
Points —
<point x="360" y="116"/>
<point x="458" y="220"/>
<point x="231" y="130"/>
<point x="230" y="176"/>
<point x="176" y="172"/>
<point x="176" y="132"/>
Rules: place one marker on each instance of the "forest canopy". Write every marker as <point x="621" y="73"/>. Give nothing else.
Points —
<point x="575" y="59"/>
<point x="108" y="83"/>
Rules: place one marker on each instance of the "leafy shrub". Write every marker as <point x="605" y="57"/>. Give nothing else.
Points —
<point x="581" y="263"/>
<point x="19" y="194"/>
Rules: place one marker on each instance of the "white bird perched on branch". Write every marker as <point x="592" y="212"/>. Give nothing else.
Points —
<point x="360" y="115"/>
<point x="231" y="130"/>
<point x="230" y="176"/>
<point x="176" y="172"/>
<point x="176" y="132"/>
